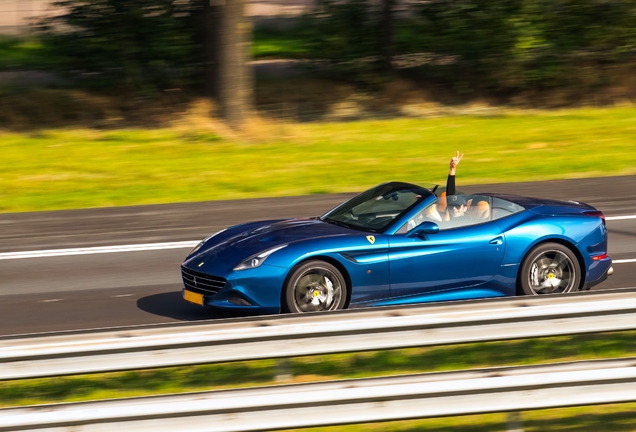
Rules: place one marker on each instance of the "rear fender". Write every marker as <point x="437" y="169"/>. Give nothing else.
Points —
<point x="570" y="231"/>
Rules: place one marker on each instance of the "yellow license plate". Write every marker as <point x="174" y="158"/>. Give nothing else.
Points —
<point x="193" y="297"/>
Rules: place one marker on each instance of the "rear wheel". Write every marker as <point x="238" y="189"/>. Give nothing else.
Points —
<point x="315" y="286"/>
<point x="550" y="268"/>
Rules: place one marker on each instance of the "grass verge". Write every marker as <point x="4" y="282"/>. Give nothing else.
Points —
<point x="77" y="168"/>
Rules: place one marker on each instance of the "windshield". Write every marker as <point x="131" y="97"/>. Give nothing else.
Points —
<point x="376" y="209"/>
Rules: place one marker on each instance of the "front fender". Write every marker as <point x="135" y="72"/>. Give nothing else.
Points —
<point x="363" y="257"/>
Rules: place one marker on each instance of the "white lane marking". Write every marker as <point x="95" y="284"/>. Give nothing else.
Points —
<point x="51" y="300"/>
<point x="613" y="218"/>
<point x="624" y="261"/>
<point x="98" y="250"/>
<point x="123" y="295"/>
<point x="159" y="246"/>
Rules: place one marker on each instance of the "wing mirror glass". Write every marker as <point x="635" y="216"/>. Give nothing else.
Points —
<point x="424" y="228"/>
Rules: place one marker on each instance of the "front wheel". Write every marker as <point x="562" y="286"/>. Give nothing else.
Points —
<point x="550" y="268"/>
<point x="315" y="286"/>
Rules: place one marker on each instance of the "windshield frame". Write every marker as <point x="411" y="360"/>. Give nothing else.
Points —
<point x="373" y="194"/>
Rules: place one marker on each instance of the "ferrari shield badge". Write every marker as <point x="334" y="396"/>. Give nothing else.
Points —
<point x="371" y="239"/>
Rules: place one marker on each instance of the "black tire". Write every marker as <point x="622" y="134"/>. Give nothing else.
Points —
<point x="550" y="268"/>
<point x="314" y="286"/>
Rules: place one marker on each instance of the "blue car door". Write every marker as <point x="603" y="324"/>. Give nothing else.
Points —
<point x="448" y="260"/>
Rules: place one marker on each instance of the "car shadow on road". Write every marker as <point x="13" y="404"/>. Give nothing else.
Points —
<point x="172" y="305"/>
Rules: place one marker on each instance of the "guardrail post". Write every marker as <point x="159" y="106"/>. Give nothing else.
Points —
<point x="283" y="371"/>
<point x="514" y="422"/>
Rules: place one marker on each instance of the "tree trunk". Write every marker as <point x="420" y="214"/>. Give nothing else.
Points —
<point x="386" y="35"/>
<point x="229" y="79"/>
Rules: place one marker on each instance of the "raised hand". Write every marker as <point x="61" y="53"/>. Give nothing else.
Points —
<point x="454" y="162"/>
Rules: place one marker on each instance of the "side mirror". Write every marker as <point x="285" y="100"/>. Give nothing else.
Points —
<point x="424" y="228"/>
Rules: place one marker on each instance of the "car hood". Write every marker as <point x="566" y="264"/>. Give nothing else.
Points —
<point x="258" y="237"/>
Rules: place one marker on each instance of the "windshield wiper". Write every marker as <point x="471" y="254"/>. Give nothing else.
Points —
<point x="335" y="222"/>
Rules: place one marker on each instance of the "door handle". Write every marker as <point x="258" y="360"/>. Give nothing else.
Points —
<point x="496" y="241"/>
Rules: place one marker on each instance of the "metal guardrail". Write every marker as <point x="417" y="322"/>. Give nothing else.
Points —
<point x="348" y="331"/>
<point x="347" y="401"/>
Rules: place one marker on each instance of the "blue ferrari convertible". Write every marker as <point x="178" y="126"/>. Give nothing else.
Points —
<point x="400" y="243"/>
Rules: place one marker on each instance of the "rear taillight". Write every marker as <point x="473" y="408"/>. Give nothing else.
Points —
<point x="596" y="213"/>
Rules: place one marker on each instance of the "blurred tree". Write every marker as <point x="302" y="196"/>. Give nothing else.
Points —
<point x="503" y="46"/>
<point x="344" y="35"/>
<point x="227" y="46"/>
<point x="138" y="46"/>
<point x="141" y="47"/>
<point x="386" y="35"/>
<point x="513" y="45"/>
<point x="475" y="36"/>
<point x="556" y="40"/>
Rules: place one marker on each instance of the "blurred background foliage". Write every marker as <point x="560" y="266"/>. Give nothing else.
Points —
<point x="530" y="53"/>
<point x="133" y="46"/>
<point x="501" y="45"/>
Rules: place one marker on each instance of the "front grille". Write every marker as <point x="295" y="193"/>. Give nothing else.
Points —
<point x="200" y="282"/>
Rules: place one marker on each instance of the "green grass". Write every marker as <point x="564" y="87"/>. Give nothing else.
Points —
<point x="65" y="169"/>
<point x="318" y="368"/>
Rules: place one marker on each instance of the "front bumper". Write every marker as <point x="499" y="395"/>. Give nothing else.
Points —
<point x="256" y="291"/>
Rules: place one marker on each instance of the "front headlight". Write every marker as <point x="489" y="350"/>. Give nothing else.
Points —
<point x="256" y="260"/>
<point x="202" y="242"/>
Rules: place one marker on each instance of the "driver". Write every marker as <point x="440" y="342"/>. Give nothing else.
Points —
<point x="457" y="206"/>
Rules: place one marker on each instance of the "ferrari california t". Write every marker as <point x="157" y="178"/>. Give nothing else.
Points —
<point x="400" y="243"/>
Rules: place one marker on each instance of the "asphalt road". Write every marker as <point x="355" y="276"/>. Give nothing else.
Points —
<point x="143" y="287"/>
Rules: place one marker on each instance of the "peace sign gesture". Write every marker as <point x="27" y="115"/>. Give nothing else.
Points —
<point x="454" y="162"/>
